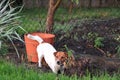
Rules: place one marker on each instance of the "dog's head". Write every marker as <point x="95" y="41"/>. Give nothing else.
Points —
<point x="61" y="58"/>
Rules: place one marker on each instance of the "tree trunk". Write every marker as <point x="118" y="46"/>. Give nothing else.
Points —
<point x="70" y="7"/>
<point x="50" y="16"/>
<point x="95" y="3"/>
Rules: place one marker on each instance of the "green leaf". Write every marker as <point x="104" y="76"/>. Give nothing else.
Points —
<point x="9" y="22"/>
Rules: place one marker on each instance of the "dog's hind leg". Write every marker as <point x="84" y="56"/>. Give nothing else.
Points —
<point x="40" y="60"/>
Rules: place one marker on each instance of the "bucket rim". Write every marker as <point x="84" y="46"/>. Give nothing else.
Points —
<point x="43" y="35"/>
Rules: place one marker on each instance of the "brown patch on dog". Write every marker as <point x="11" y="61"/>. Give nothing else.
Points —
<point x="62" y="57"/>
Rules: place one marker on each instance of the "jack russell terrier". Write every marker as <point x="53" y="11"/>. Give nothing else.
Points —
<point x="55" y="60"/>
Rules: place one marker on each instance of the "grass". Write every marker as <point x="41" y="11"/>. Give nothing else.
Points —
<point x="33" y="18"/>
<point x="9" y="71"/>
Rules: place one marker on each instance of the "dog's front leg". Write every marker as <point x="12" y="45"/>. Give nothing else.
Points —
<point x="40" y="61"/>
<point x="39" y="64"/>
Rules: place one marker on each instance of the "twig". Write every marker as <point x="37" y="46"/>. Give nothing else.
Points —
<point x="101" y="51"/>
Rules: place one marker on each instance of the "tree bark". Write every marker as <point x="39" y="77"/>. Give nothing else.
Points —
<point x="70" y="7"/>
<point x="50" y="16"/>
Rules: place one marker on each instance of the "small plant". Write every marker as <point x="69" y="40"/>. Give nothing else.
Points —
<point x="70" y="53"/>
<point x="68" y="50"/>
<point x="98" y="42"/>
<point x="91" y="36"/>
<point x="9" y="22"/>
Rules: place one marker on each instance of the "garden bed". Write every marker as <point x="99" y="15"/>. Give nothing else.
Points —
<point x="94" y="43"/>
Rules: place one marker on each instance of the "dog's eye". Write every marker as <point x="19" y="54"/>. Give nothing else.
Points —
<point x="62" y="57"/>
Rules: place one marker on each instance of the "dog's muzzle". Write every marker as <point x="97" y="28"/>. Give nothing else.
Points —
<point x="60" y="63"/>
<point x="62" y="67"/>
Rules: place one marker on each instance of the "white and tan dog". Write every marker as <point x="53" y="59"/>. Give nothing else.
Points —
<point x="49" y="53"/>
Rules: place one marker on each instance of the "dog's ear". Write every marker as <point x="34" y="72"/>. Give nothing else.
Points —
<point x="55" y="53"/>
<point x="66" y="54"/>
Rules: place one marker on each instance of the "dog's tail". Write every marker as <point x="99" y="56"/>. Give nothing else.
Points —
<point x="37" y="38"/>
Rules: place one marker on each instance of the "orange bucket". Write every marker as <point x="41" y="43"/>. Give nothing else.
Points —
<point x="31" y="45"/>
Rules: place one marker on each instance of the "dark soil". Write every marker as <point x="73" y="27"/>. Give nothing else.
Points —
<point x="81" y="41"/>
<point x="82" y="37"/>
